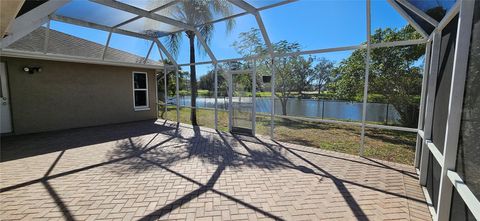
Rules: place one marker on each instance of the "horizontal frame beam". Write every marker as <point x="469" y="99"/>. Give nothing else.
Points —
<point x="74" y="59"/>
<point x="318" y="51"/>
<point x="466" y="194"/>
<point x="421" y="134"/>
<point x="435" y="152"/>
<point x="74" y="21"/>
<point x="399" y="43"/>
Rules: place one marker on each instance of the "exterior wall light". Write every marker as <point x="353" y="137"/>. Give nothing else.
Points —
<point x="32" y="70"/>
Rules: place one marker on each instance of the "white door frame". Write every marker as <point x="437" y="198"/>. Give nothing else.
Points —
<point x="230" y="74"/>
<point x="6" y="116"/>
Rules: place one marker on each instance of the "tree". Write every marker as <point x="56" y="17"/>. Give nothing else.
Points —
<point x="323" y="71"/>
<point x="304" y="73"/>
<point x="207" y="82"/>
<point x="250" y="43"/>
<point x="195" y="13"/>
<point x="171" y="83"/>
<point x="285" y="79"/>
<point x="348" y="77"/>
<point x="171" y="80"/>
<point x="394" y="74"/>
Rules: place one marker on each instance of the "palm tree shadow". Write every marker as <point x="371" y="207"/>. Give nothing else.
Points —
<point x="212" y="147"/>
<point x="223" y="151"/>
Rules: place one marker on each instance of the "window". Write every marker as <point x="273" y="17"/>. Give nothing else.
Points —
<point x="140" y="91"/>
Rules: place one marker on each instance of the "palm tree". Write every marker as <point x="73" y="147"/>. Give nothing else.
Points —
<point x="197" y="13"/>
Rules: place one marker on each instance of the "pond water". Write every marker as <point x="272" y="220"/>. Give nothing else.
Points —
<point x="329" y="109"/>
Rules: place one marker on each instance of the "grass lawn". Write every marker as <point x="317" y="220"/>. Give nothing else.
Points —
<point x="395" y="146"/>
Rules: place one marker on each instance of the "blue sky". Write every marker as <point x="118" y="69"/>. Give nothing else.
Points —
<point x="315" y="24"/>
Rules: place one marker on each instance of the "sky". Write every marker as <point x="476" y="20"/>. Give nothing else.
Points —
<point x="315" y="24"/>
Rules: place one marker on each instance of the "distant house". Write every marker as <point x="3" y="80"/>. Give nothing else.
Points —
<point x="46" y="94"/>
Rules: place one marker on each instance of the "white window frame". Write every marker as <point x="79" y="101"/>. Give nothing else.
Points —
<point x="140" y="108"/>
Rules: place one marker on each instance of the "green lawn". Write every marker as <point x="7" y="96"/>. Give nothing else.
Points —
<point x="395" y="146"/>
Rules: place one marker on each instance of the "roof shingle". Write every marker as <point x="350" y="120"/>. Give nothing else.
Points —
<point x="65" y="44"/>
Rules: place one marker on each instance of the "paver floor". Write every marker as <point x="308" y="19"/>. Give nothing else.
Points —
<point x="160" y="170"/>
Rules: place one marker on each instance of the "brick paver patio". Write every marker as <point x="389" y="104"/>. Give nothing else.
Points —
<point x="143" y="171"/>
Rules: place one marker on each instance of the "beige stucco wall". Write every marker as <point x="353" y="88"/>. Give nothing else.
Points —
<point x="70" y="95"/>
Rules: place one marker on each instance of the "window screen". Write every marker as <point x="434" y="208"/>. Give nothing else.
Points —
<point x="468" y="163"/>
<point x="444" y="79"/>
<point x="433" y="179"/>
<point x="427" y="76"/>
<point x="140" y="90"/>
<point x="459" y="211"/>
<point x="420" y="146"/>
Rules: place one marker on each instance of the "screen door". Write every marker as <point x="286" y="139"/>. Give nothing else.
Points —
<point x="242" y="101"/>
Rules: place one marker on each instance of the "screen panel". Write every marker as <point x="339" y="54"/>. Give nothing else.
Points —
<point x="433" y="179"/>
<point x="444" y="79"/>
<point x="309" y="23"/>
<point x="419" y="151"/>
<point x="94" y="13"/>
<point x="314" y="89"/>
<point x="125" y="48"/>
<point x="68" y="39"/>
<point x="435" y="9"/>
<point x="468" y="163"/>
<point x="427" y="76"/>
<point x="459" y="210"/>
<point x="149" y="27"/>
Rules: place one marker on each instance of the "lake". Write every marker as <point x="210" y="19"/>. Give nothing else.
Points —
<point x="341" y="110"/>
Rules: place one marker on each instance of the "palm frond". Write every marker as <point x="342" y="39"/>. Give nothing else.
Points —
<point x="207" y="32"/>
<point x="195" y="13"/>
<point x="173" y="43"/>
<point x="225" y="9"/>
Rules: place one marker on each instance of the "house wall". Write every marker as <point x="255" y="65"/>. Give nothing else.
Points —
<point x="70" y="95"/>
